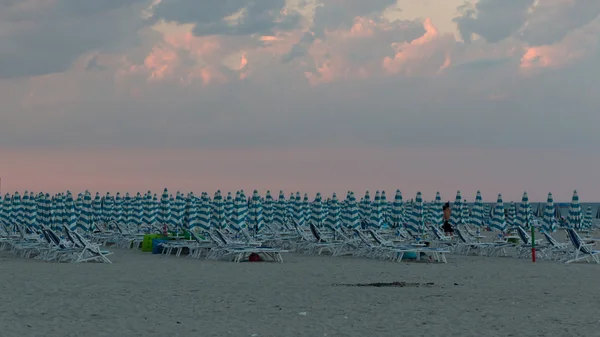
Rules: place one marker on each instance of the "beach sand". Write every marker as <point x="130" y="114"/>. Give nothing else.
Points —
<point x="150" y="295"/>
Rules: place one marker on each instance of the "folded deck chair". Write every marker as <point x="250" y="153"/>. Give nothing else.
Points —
<point x="582" y="251"/>
<point x="556" y="250"/>
<point x="58" y="251"/>
<point x="89" y="251"/>
<point x="237" y="251"/>
<point x="524" y="249"/>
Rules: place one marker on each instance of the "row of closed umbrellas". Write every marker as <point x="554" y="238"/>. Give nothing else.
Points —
<point x="187" y="211"/>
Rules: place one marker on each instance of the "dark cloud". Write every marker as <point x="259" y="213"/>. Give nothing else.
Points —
<point x="49" y="39"/>
<point x="334" y="14"/>
<point x="550" y="24"/>
<point x="493" y="20"/>
<point x="209" y="17"/>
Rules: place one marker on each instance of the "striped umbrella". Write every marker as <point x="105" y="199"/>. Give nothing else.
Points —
<point x="365" y="207"/>
<point x="218" y="216"/>
<point x="332" y="221"/>
<point x="268" y="208"/>
<point x="155" y="209"/>
<point x="239" y="222"/>
<point x="120" y="209"/>
<point x="7" y="210"/>
<point x="524" y="213"/>
<point x="352" y="212"/>
<point x="194" y="215"/>
<point x="477" y="218"/>
<point x="457" y="210"/>
<point x="376" y="220"/>
<point x="298" y="210"/>
<point x="587" y="218"/>
<point x="229" y="207"/>
<point x="465" y="217"/>
<point x="127" y="216"/>
<point x="255" y="217"/>
<point x="108" y="208"/>
<point x="204" y="212"/>
<point x="385" y="207"/>
<point x="164" y="214"/>
<point x="437" y="212"/>
<point x="548" y="221"/>
<point x="280" y="210"/>
<point x="511" y="220"/>
<point x="71" y="216"/>
<point x="397" y="210"/>
<point x="317" y="211"/>
<point x="84" y="222"/>
<point x="416" y="221"/>
<point x="574" y="219"/>
<point x="498" y="221"/>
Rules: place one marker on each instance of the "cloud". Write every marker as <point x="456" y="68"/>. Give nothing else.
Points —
<point x="229" y="17"/>
<point x="342" y="74"/>
<point x="492" y="20"/>
<point x="47" y="36"/>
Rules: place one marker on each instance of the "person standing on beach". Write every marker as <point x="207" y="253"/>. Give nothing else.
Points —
<point x="447" y="227"/>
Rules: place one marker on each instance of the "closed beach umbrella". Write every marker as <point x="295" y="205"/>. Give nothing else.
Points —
<point x="316" y="214"/>
<point x="574" y="219"/>
<point x="397" y="210"/>
<point x="498" y="220"/>
<point x="415" y="224"/>
<point x="548" y="221"/>
<point x="477" y="218"/>
<point x="456" y="217"/>
<point x="333" y="214"/>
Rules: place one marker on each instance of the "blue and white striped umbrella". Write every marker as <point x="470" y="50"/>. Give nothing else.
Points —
<point x="255" y="217"/>
<point x="155" y="205"/>
<point x="7" y="210"/>
<point x="457" y="209"/>
<point x="194" y="215"/>
<point x="548" y="221"/>
<point x="416" y="222"/>
<point x="376" y="221"/>
<point x="465" y="217"/>
<point x="58" y="206"/>
<point x="317" y="216"/>
<point x="138" y="210"/>
<point x="511" y="220"/>
<point x="365" y="207"/>
<point x="78" y="204"/>
<point x="281" y="207"/>
<point x="229" y="207"/>
<point x="70" y="215"/>
<point x="218" y="216"/>
<point x="352" y="212"/>
<point x="239" y="222"/>
<point x="477" y="218"/>
<point x="120" y="217"/>
<point x="574" y="219"/>
<point x="524" y="213"/>
<point x="84" y="222"/>
<point x="498" y="220"/>
<point x="437" y="212"/>
<point x="164" y="214"/>
<point x="306" y="208"/>
<point x="205" y="212"/>
<point x="332" y="221"/>
<point x="587" y="218"/>
<point x="29" y="212"/>
<point x="126" y="217"/>
<point x="397" y="210"/>
<point x="298" y="210"/>
<point x="268" y="208"/>
<point x="385" y="207"/>
<point x="96" y="210"/>
<point x="108" y="208"/>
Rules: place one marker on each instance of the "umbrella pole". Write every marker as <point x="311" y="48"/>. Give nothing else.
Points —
<point x="532" y="243"/>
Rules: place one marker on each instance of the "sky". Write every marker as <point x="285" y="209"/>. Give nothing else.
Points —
<point x="302" y="95"/>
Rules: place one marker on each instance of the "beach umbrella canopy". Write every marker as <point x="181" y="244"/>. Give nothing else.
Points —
<point x="397" y="210"/>
<point x="376" y="220"/>
<point x="457" y="209"/>
<point x="498" y="220"/>
<point x="268" y="208"/>
<point x="120" y="209"/>
<point x="416" y="221"/>
<point x="548" y="220"/>
<point x="437" y="212"/>
<point x="255" y="217"/>
<point x="587" y="218"/>
<point x="194" y="215"/>
<point x="280" y="215"/>
<point x="316" y="214"/>
<point x="84" y="222"/>
<point x="164" y="213"/>
<point x="298" y="210"/>
<point x="70" y="214"/>
<point x="205" y="213"/>
<point x="218" y="216"/>
<point x="511" y="220"/>
<point x="575" y="220"/>
<point x="477" y="217"/>
<point x="229" y="207"/>
<point x="524" y="213"/>
<point x="333" y="214"/>
<point x="352" y="213"/>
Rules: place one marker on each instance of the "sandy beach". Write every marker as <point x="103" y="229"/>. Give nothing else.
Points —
<point x="151" y="295"/>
